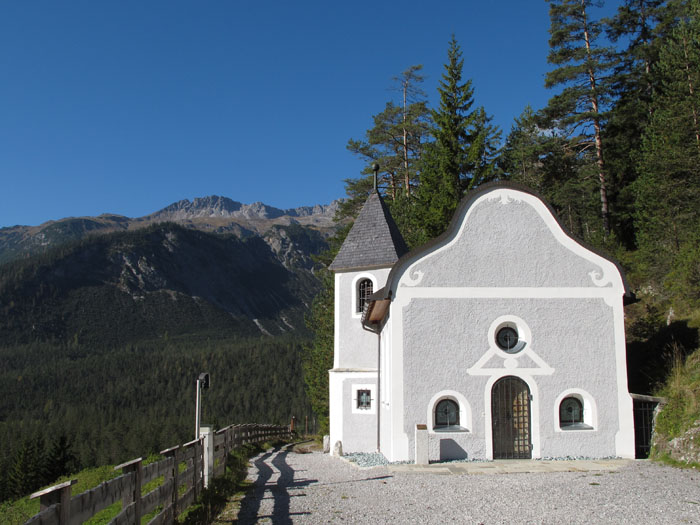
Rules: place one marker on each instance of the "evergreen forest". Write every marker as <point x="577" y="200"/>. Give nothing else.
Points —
<point x="81" y="406"/>
<point x="103" y="339"/>
<point x="615" y="152"/>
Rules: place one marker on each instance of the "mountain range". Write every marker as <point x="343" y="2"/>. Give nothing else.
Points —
<point x="106" y="321"/>
<point x="209" y="266"/>
<point x="211" y="214"/>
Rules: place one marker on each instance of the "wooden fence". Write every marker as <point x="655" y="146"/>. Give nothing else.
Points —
<point x="185" y="471"/>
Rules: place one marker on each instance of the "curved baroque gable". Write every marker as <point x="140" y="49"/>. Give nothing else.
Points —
<point x="505" y="237"/>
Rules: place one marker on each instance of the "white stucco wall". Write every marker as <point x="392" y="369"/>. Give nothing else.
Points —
<point x="356" y="357"/>
<point x="502" y="241"/>
<point x="355" y="428"/>
<point x="385" y="387"/>
<point x="508" y="258"/>
<point x="444" y="340"/>
<point x="354" y="346"/>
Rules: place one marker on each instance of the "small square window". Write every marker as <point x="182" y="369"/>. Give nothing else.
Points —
<point x="364" y="399"/>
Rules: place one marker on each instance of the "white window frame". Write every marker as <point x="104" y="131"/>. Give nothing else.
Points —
<point x="520" y="326"/>
<point x="465" y="411"/>
<point x="372" y="395"/>
<point x="590" y="410"/>
<point x="356" y="291"/>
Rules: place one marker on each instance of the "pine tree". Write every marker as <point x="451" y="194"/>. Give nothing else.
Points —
<point x="637" y="23"/>
<point x="668" y="188"/>
<point x="60" y="460"/>
<point x="522" y="157"/>
<point x="583" y="69"/>
<point x="633" y="84"/>
<point x="27" y="472"/>
<point x="485" y="150"/>
<point x="4" y="488"/>
<point x="463" y="154"/>
<point x="547" y="161"/>
<point x="395" y="142"/>
<point x="415" y="123"/>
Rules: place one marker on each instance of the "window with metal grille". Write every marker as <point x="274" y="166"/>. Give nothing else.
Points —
<point x="364" y="399"/>
<point x="570" y="412"/>
<point x="364" y="290"/>
<point x="446" y="414"/>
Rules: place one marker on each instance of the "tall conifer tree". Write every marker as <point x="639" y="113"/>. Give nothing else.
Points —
<point x="668" y="188"/>
<point x="583" y="69"/>
<point x="395" y="142"/>
<point x="463" y="154"/>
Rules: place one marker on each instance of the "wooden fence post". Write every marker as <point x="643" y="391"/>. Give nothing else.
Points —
<point x="57" y="494"/>
<point x="56" y="501"/>
<point x="206" y="438"/>
<point x="227" y="446"/>
<point x="173" y="452"/>
<point x="133" y="496"/>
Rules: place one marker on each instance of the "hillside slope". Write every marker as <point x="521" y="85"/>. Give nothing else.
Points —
<point x="101" y="339"/>
<point x="166" y="279"/>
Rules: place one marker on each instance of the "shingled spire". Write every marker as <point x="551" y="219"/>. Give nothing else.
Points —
<point x="374" y="241"/>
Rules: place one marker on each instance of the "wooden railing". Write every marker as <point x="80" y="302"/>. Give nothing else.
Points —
<point x="186" y="471"/>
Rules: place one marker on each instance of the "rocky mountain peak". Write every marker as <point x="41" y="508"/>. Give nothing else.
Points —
<point x="214" y="213"/>
<point x="217" y="206"/>
<point x="212" y="206"/>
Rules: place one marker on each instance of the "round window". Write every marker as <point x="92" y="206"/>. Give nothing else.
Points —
<point x="507" y="339"/>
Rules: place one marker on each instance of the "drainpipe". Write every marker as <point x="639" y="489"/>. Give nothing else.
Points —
<point x="377" y="331"/>
<point x="379" y="375"/>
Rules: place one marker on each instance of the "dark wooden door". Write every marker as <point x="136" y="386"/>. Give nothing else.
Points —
<point x="510" y="419"/>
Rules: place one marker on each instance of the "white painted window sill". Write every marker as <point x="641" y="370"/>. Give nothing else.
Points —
<point x="576" y="426"/>
<point x="452" y="429"/>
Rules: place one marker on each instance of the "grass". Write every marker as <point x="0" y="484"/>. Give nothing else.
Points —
<point x="18" y="511"/>
<point x="682" y="391"/>
<point x="665" y="458"/>
<point x="211" y="502"/>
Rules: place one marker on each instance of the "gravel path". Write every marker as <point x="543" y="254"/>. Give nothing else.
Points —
<point x="291" y="487"/>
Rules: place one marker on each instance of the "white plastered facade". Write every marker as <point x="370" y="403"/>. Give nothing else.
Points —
<point x="506" y="262"/>
<point x="355" y="362"/>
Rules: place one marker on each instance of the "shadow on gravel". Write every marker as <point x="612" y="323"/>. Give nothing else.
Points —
<point x="250" y="504"/>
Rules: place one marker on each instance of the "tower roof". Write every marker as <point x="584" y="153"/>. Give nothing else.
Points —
<point x="374" y="241"/>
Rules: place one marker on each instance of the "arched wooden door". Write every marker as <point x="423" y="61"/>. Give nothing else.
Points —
<point x="510" y="419"/>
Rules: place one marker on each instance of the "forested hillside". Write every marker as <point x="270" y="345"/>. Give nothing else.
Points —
<point x="102" y="339"/>
<point x="616" y="152"/>
<point x="163" y="280"/>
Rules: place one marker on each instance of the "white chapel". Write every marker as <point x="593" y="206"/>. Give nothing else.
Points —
<point x="502" y="338"/>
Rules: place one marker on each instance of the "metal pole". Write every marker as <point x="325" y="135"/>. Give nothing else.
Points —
<point x="198" y="407"/>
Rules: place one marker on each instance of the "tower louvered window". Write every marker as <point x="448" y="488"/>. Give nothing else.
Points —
<point x="364" y="290"/>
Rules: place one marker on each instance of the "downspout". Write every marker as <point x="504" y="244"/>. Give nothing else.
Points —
<point x="377" y="329"/>
<point x="379" y="376"/>
<point x="379" y="364"/>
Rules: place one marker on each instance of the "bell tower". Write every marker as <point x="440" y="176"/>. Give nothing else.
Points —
<point x="361" y="268"/>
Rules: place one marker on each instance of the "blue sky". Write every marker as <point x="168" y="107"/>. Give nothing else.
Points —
<point x="127" y="106"/>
